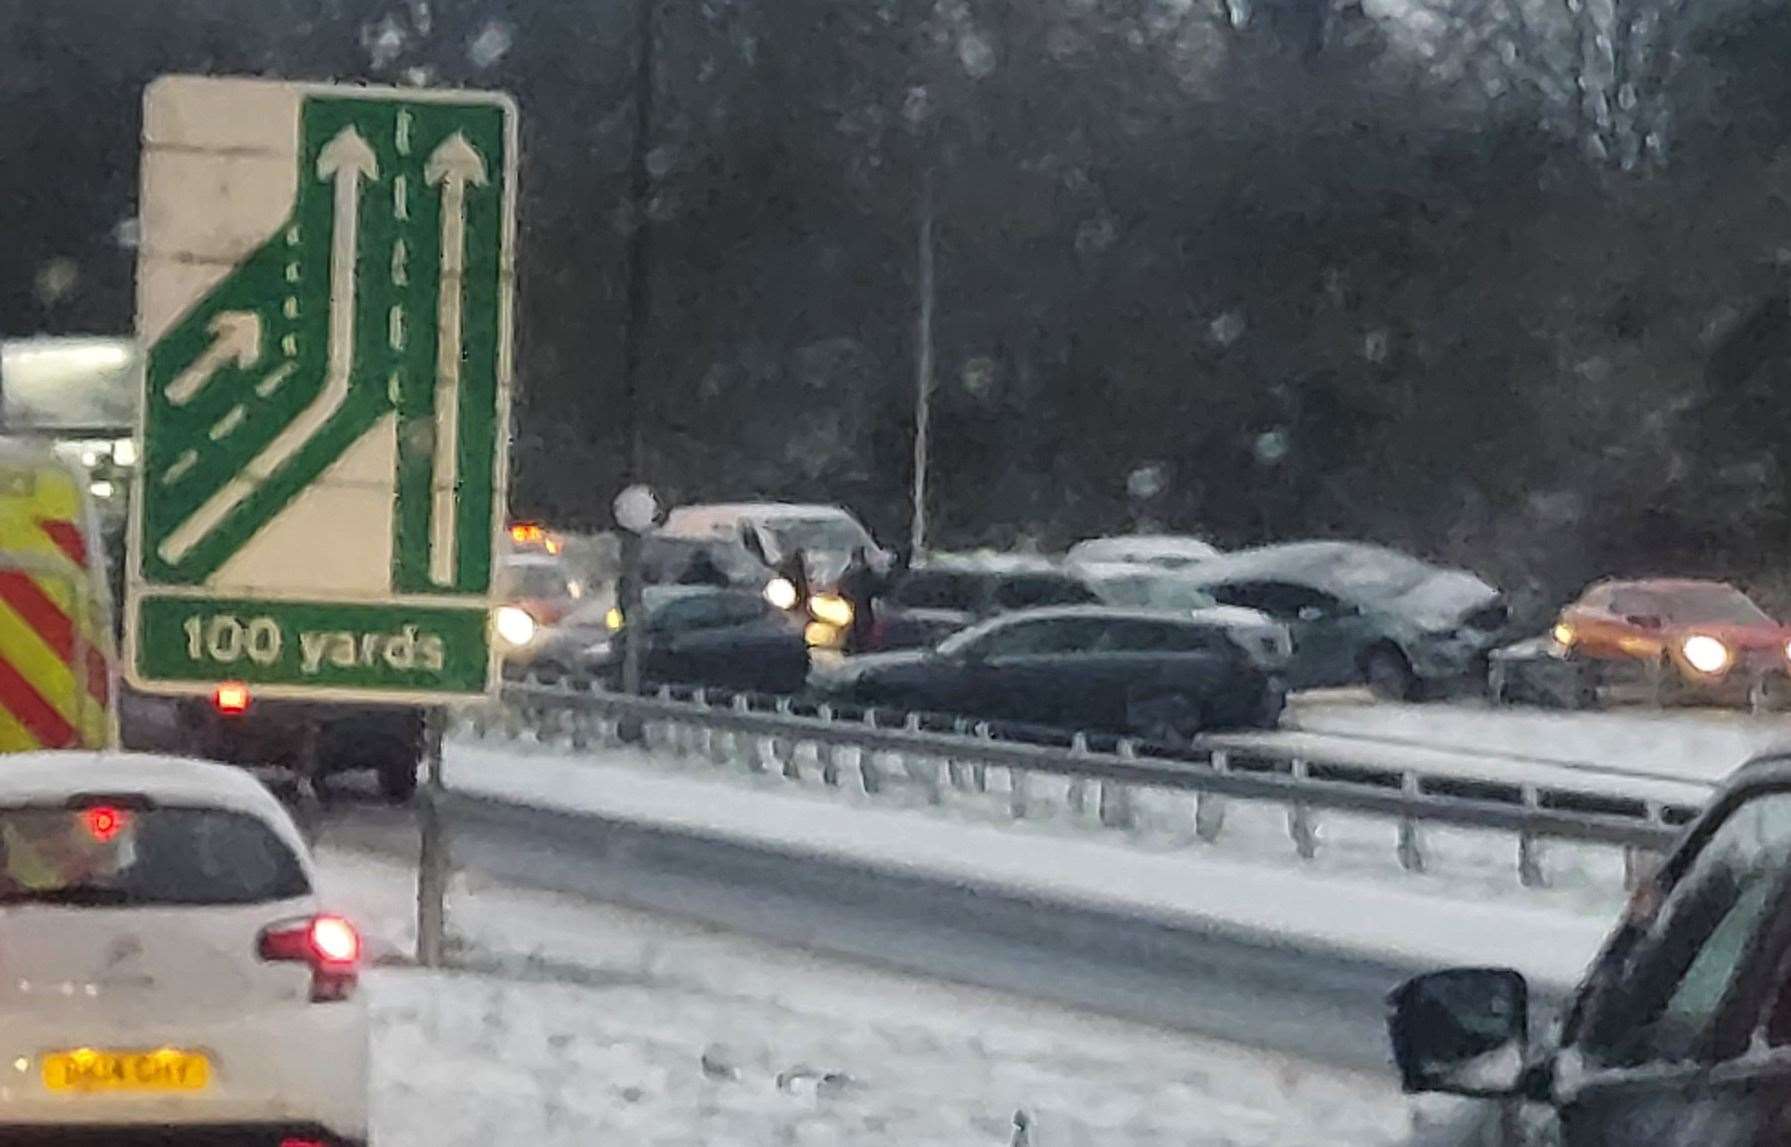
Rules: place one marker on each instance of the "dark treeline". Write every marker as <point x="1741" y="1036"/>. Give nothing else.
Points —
<point x="1498" y="280"/>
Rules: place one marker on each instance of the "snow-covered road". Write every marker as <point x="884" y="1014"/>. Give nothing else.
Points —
<point x="1691" y="744"/>
<point x="591" y="1024"/>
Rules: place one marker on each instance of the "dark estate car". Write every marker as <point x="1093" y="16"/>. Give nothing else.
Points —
<point x="1158" y="674"/>
<point x="1363" y="613"/>
<point x="1681" y="1032"/>
<point x="693" y="635"/>
<point x="930" y="602"/>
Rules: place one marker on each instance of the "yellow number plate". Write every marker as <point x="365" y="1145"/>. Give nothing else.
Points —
<point x="90" y="1071"/>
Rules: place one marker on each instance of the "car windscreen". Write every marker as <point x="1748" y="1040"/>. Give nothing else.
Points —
<point x="106" y="856"/>
<point x="831" y="535"/>
<point x="1368" y="573"/>
<point x="1708" y="605"/>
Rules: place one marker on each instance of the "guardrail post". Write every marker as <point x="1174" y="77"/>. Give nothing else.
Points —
<point x="1116" y="796"/>
<point x="1301" y="824"/>
<point x="741" y="747"/>
<point x="1019" y="782"/>
<point x="1411" y="847"/>
<point x="1209" y="808"/>
<point x="792" y="758"/>
<point x="1640" y="864"/>
<point x="827" y="751"/>
<point x="1076" y="796"/>
<point x="956" y="772"/>
<point x="869" y="772"/>
<point x="1529" y="848"/>
<point x="922" y="769"/>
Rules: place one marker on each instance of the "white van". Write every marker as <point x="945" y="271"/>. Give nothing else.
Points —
<point x="767" y="532"/>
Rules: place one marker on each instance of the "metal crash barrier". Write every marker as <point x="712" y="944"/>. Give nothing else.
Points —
<point x="879" y="750"/>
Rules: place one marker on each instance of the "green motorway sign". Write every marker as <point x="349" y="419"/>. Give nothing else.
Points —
<point x="325" y="294"/>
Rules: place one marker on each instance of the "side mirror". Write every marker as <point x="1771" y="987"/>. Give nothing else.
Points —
<point x="1312" y="613"/>
<point x="1462" y="1032"/>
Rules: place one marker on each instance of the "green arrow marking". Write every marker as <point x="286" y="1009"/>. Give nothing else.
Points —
<point x="382" y="292"/>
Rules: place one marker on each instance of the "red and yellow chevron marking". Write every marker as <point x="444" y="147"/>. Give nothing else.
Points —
<point x="55" y="636"/>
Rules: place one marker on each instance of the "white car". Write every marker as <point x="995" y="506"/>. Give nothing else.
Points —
<point x="165" y="963"/>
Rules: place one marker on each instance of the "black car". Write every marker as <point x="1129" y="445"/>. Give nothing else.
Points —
<point x="1163" y="675"/>
<point x="1681" y="1032"/>
<point x="692" y="635"/>
<point x="928" y="603"/>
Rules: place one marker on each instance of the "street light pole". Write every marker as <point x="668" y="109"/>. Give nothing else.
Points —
<point x="923" y="368"/>
<point x="640" y="245"/>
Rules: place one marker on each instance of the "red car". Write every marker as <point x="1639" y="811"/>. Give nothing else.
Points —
<point x="1702" y="637"/>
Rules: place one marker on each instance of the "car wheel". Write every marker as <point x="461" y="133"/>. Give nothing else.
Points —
<point x="1390" y="675"/>
<point x="397" y="770"/>
<point x="1169" y="718"/>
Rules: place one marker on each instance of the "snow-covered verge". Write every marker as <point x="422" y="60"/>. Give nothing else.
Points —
<point x="1359" y="902"/>
<point x="599" y="1025"/>
<point x="1695" y="744"/>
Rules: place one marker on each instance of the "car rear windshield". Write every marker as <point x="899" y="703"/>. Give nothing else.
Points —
<point x="107" y="856"/>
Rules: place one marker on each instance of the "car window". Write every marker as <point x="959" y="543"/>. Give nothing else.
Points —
<point x="121" y="857"/>
<point x="705" y="611"/>
<point x="1042" y="636"/>
<point x="1027" y="591"/>
<point x="938" y="589"/>
<point x="1280" y="600"/>
<point x="1661" y="990"/>
<point x="1139" y="636"/>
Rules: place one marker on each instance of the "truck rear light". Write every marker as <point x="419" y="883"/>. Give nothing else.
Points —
<point x="329" y="944"/>
<point x="231" y="698"/>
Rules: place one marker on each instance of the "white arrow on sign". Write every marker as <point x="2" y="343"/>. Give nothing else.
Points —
<point x="453" y="165"/>
<point x="236" y="338"/>
<point x="346" y="160"/>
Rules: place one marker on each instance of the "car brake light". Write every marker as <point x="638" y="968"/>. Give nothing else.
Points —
<point x="103" y="822"/>
<point x="291" y="1142"/>
<point x="329" y="944"/>
<point x="231" y="698"/>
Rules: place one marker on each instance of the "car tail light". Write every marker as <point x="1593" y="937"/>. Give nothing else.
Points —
<point x="289" y="1141"/>
<point x="231" y="698"/>
<point x="103" y="822"/>
<point x="329" y="944"/>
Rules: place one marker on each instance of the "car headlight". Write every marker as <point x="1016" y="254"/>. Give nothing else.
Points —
<point x="1564" y="635"/>
<point x="781" y="592"/>
<point x="514" y="625"/>
<point x="831" y="608"/>
<point x="1705" y="653"/>
<point x="612" y="618"/>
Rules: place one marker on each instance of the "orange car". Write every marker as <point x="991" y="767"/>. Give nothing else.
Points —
<point x="1706" y="637"/>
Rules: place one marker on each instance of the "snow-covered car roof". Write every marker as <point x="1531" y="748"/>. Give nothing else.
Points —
<point x="705" y="516"/>
<point x="1150" y="549"/>
<point x="989" y="561"/>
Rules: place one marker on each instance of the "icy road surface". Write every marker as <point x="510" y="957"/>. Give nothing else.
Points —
<point x="1694" y="744"/>
<point x="598" y="1025"/>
